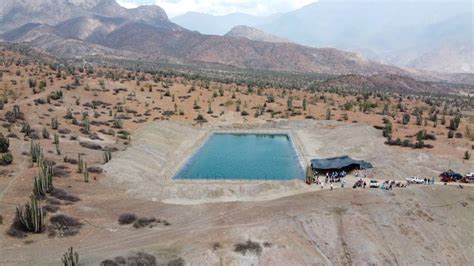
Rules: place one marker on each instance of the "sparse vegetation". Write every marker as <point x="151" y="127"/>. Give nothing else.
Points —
<point x="248" y="247"/>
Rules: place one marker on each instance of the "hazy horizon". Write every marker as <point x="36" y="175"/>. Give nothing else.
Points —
<point x="258" y="8"/>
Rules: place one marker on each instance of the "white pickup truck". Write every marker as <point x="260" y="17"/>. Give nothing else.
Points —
<point x="415" y="180"/>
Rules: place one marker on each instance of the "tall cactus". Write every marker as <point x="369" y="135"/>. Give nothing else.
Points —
<point x="54" y="123"/>
<point x="43" y="183"/>
<point x="58" y="149"/>
<point x="26" y="128"/>
<point x="31" y="216"/>
<point x="55" y="138"/>
<point x="80" y="163"/>
<point x="70" y="258"/>
<point x="86" y="126"/>
<point x="85" y="171"/>
<point x="36" y="152"/>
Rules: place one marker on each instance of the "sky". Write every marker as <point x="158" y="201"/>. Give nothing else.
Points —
<point x="221" y="7"/>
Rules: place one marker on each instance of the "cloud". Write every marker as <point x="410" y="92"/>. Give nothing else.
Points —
<point x="221" y="7"/>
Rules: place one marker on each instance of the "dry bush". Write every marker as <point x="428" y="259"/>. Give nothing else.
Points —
<point x="177" y="262"/>
<point x="142" y="258"/>
<point x="144" y="222"/>
<point x="90" y="145"/>
<point x="95" y="169"/>
<point x="62" y="194"/>
<point x="64" y="131"/>
<point x="114" y="262"/>
<point x="70" y="160"/>
<point x="51" y="208"/>
<point x="62" y="225"/>
<point x="127" y="218"/>
<point x="247" y="247"/>
<point x="61" y="171"/>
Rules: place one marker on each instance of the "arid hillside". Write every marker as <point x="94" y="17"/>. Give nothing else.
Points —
<point x="63" y="121"/>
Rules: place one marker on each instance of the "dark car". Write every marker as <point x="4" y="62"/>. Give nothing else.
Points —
<point x="450" y="176"/>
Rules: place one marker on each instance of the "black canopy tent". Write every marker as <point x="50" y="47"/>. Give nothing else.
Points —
<point x="345" y="163"/>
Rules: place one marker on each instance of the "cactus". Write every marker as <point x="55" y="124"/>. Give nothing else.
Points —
<point x="31" y="216"/>
<point x="68" y="114"/>
<point x="16" y="111"/>
<point x="86" y="125"/>
<point x="26" y="128"/>
<point x="45" y="133"/>
<point x="117" y="123"/>
<point x="107" y="156"/>
<point x="58" y="149"/>
<point x="85" y="171"/>
<point x="328" y="114"/>
<point x="43" y="183"/>
<point x="36" y="152"/>
<point x="56" y="138"/>
<point x="54" y="123"/>
<point x="70" y="258"/>
<point x="80" y="163"/>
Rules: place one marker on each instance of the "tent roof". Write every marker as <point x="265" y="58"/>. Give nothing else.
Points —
<point x="338" y="163"/>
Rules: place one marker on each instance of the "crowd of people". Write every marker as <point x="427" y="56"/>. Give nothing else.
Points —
<point x="332" y="177"/>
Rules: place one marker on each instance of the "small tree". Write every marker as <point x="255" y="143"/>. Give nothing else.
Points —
<point x="467" y="155"/>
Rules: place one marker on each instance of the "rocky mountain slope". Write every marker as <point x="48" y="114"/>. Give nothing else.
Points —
<point x="254" y="34"/>
<point x="103" y="28"/>
<point x="15" y="13"/>
<point x="441" y="39"/>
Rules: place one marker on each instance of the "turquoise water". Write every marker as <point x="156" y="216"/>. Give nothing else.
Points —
<point x="244" y="157"/>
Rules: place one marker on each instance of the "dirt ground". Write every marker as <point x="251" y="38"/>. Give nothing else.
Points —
<point x="294" y="224"/>
<point x="416" y="225"/>
<point x="146" y="169"/>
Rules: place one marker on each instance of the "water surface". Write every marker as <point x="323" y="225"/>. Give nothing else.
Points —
<point x="244" y="157"/>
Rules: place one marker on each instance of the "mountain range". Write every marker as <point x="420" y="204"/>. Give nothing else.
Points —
<point x="82" y="28"/>
<point x="428" y="35"/>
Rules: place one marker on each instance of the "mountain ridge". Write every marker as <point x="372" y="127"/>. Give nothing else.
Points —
<point x="157" y="38"/>
<point x="242" y="31"/>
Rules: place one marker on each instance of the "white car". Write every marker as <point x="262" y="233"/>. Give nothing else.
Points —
<point x="470" y="175"/>
<point x="415" y="179"/>
<point x="374" y="184"/>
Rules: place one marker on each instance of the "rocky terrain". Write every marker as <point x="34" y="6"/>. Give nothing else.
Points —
<point x="88" y="150"/>
<point x="78" y="29"/>
<point x="254" y="34"/>
<point x="440" y="40"/>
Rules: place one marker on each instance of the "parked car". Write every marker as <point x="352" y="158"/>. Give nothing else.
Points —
<point x="450" y="176"/>
<point x="415" y="180"/>
<point x="374" y="184"/>
<point x="468" y="178"/>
